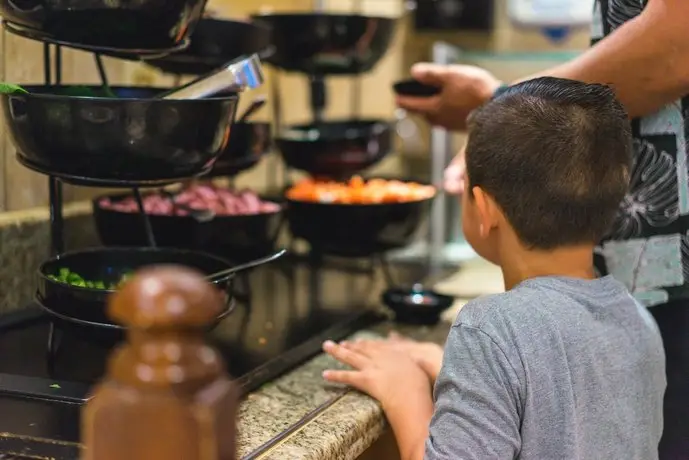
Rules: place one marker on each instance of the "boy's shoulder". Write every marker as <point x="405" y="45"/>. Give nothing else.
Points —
<point x="552" y="305"/>
<point x="513" y="305"/>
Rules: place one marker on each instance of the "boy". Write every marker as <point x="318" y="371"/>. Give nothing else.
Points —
<point x="563" y="365"/>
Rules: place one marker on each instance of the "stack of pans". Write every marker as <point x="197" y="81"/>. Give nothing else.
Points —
<point x="112" y="137"/>
<point x="321" y="45"/>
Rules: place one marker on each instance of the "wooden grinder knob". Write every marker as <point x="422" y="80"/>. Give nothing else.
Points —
<point x="165" y="394"/>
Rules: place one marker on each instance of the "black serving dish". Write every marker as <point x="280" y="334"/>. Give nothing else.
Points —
<point x="120" y="141"/>
<point x="416" y="305"/>
<point x="87" y="306"/>
<point x="238" y="238"/>
<point x="149" y="24"/>
<point x="356" y="230"/>
<point x="216" y="42"/>
<point x="250" y="141"/>
<point x="328" y="44"/>
<point x="336" y="149"/>
<point x="415" y="88"/>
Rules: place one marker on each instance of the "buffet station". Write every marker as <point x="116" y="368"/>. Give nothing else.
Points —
<point x="165" y="148"/>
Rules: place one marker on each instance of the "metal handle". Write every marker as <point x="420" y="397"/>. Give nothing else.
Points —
<point x="242" y="73"/>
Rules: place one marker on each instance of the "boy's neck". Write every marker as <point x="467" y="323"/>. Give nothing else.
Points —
<point x="522" y="264"/>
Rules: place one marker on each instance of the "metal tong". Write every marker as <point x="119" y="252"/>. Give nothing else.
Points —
<point x="244" y="72"/>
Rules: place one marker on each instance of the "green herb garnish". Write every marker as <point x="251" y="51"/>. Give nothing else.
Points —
<point x="64" y="275"/>
<point x="9" y="88"/>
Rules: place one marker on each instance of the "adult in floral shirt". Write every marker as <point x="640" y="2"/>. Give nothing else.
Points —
<point x="641" y="49"/>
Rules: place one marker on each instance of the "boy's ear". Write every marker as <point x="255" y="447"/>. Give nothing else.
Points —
<point x="488" y="212"/>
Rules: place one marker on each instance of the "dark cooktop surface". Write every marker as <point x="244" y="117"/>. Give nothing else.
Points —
<point x="285" y="311"/>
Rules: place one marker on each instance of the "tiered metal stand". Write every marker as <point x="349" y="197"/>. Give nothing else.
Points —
<point x="53" y="77"/>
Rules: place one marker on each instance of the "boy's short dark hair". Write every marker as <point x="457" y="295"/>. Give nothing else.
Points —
<point x="555" y="155"/>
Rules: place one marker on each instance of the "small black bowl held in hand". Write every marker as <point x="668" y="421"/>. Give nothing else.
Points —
<point x="415" y="88"/>
<point x="416" y="305"/>
<point x="129" y="139"/>
<point x="144" y="24"/>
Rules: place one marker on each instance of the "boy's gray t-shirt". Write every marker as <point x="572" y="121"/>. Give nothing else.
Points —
<point x="555" y="369"/>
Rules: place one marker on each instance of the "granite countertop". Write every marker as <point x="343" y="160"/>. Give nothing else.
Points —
<point x="314" y="420"/>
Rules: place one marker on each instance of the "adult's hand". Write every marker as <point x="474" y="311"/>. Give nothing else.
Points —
<point x="454" y="179"/>
<point x="463" y="89"/>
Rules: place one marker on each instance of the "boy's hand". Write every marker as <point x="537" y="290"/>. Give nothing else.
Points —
<point x="383" y="372"/>
<point x="427" y="355"/>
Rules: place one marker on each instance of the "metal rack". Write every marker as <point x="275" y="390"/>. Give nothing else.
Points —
<point x="445" y="246"/>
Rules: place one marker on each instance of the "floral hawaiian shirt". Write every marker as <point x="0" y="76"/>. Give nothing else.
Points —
<point x="648" y="247"/>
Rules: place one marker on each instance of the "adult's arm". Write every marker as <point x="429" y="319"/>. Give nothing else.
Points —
<point x="646" y="60"/>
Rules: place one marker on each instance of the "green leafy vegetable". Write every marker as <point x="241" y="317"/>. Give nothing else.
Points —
<point x="55" y="386"/>
<point x="64" y="275"/>
<point x="9" y="88"/>
<point x="85" y="91"/>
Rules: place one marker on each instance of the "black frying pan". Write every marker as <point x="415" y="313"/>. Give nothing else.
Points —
<point x="144" y="24"/>
<point x="327" y="44"/>
<point x="133" y="138"/>
<point x="85" y="306"/>
<point x="216" y="42"/>
<point x="249" y="142"/>
<point x="238" y="237"/>
<point x="335" y="149"/>
<point x="356" y="230"/>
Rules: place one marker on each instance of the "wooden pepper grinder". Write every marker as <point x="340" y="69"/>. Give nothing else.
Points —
<point x="165" y="395"/>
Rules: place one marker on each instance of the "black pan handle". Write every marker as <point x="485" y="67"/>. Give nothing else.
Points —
<point x="247" y="265"/>
<point x="30" y="7"/>
<point x="230" y="301"/>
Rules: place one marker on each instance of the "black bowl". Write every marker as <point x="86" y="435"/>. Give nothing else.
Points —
<point x="415" y="88"/>
<point x="328" y="44"/>
<point x="86" y="306"/>
<point x="238" y="238"/>
<point x="416" y="305"/>
<point x="132" y="138"/>
<point x="215" y="42"/>
<point x="149" y="24"/>
<point x="249" y="142"/>
<point x="335" y="149"/>
<point x="356" y="230"/>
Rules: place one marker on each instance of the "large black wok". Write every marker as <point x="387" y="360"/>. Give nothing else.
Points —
<point x="327" y="44"/>
<point x="84" y="306"/>
<point x="129" y="139"/>
<point x="335" y="149"/>
<point x="356" y="230"/>
<point x="144" y="24"/>
<point x="214" y="43"/>
<point x="250" y="141"/>
<point x="238" y="237"/>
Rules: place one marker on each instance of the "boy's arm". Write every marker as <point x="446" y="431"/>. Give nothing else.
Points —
<point x="409" y="423"/>
<point x="477" y="401"/>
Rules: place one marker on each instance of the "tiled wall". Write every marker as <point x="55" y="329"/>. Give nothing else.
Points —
<point x="22" y="63"/>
